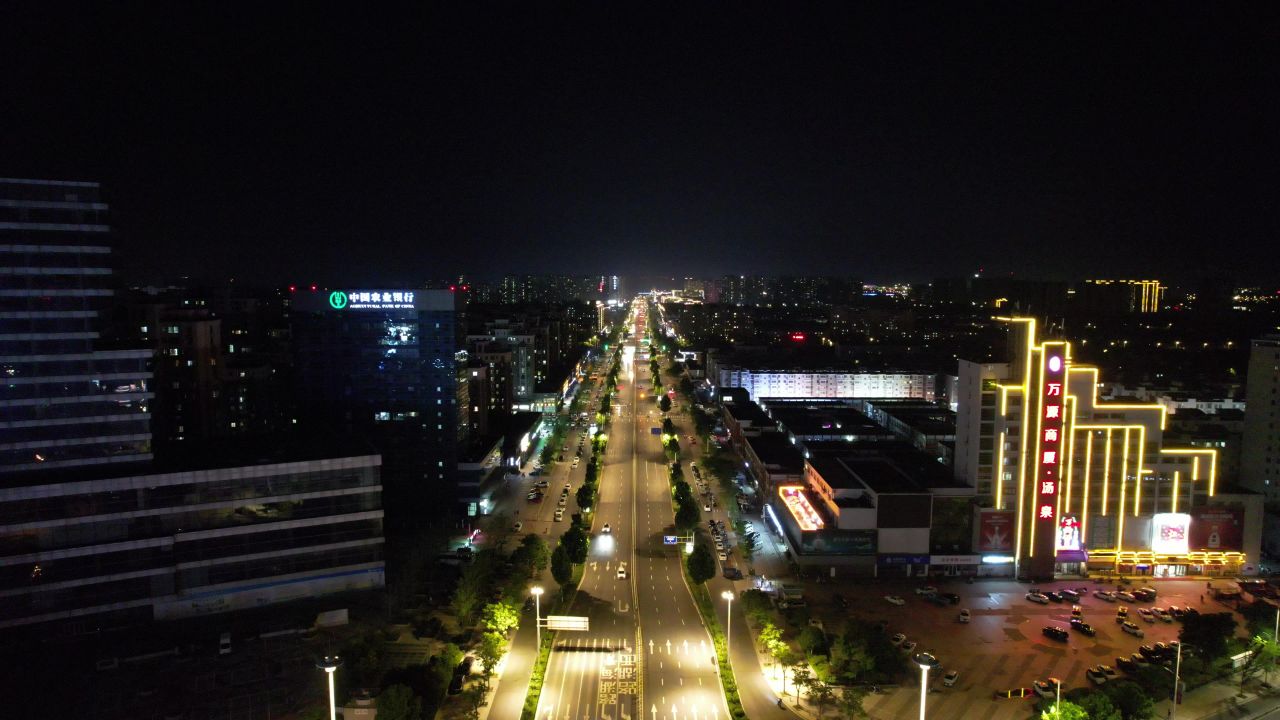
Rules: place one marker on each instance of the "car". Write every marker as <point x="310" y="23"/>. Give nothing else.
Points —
<point x="1109" y="671"/>
<point x="1147" y="591"/>
<point x="1139" y="659"/>
<point x="1149" y="652"/>
<point x="1146" y="615"/>
<point x="706" y="507"/>
<point x="898" y="639"/>
<point x="1128" y="666"/>
<point x="1127" y="596"/>
<point x="1095" y="677"/>
<point x="1122" y="614"/>
<point x="937" y="600"/>
<point x="605" y="529"/>
<point x="732" y="573"/>
<point x="517" y="527"/>
<point x="927" y="590"/>
<point x="1190" y="612"/>
<point x="1053" y="596"/>
<point x="1047" y="688"/>
<point x="1104" y="595"/>
<point x="895" y="600"/>
<point x="1162" y="614"/>
<point x="541" y="484"/>
<point x="1036" y="597"/>
<point x="535" y="498"/>
<point x="568" y="487"/>
<point x="1177" y="612"/>
<point x="840" y="601"/>
<point x="1070" y="594"/>
<point x="1166" y="651"/>
<point x="909" y="646"/>
<point x="1083" y="627"/>
<point x="1054" y="632"/>
<point x="1077" y="611"/>
<point x="950" y="678"/>
<point x="722" y="555"/>
<point x="559" y="514"/>
<point x="1131" y="628"/>
<point x="952" y="598"/>
<point x="963" y="616"/>
<point x="622" y="571"/>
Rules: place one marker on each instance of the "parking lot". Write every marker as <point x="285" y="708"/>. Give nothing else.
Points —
<point x="1002" y="647"/>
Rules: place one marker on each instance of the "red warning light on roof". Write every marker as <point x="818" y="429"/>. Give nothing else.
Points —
<point x="453" y="288"/>
<point x="293" y="288"/>
<point x="313" y="287"/>
<point x="798" y="337"/>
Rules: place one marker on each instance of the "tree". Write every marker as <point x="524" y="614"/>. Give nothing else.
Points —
<point x="687" y="516"/>
<point x="668" y="427"/>
<point x="1264" y="656"/>
<point x="770" y="635"/>
<point x="801" y="676"/>
<point x="749" y="543"/>
<point x="1209" y="632"/>
<point x="398" y="702"/>
<point x="492" y="647"/>
<point x="586" y="496"/>
<point x="850" y="702"/>
<point x="1130" y="699"/>
<point x="1064" y="711"/>
<point x="473" y="700"/>
<point x="561" y="566"/>
<point x="702" y="566"/>
<point x="500" y="617"/>
<point x="822" y="696"/>
<point x="785" y="657"/>
<point x="1097" y="705"/>
<point x="451" y="655"/>
<point x="664" y="404"/>
<point x="534" y="552"/>
<point x="575" y="542"/>
<point x="813" y="641"/>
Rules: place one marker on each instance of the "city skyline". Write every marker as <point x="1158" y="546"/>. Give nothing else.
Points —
<point x="901" y="144"/>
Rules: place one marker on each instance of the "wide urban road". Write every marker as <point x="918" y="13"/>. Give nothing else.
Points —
<point x="646" y="654"/>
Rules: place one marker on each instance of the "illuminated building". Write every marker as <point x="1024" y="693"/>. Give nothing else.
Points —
<point x="1260" y="450"/>
<point x="1135" y="296"/>
<point x="798" y="382"/>
<point x="1039" y="446"/>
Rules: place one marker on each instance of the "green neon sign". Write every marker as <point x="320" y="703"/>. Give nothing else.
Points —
<point x="337" y="299"/>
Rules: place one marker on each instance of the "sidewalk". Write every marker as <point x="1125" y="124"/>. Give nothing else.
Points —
<point x="1222" y="700"/>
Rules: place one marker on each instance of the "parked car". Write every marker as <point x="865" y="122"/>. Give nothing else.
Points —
<point x="1077" y="611"/>
<point x="1127" y="665"/>
<point x="898" y="639"/>
<point x="1054" y="633"/>
<point x="909" y="646"/>
<point x="1132" y="629"/>
<point x="952" y="598"/>
<point x="950" y="678"/>
<point x="1127" y="596"/>
<point x="1036" y="597"/>
<point x="963" y="616"/>
<point x="1047" y="688"/>
<point x="927" y="590"/>
<point x="1081" y="626"/>
<point x="895" y="600"/>
<point x="1070" y="594"/>
<point x="1095" y="677"/>
<point x="1146" y="615"/>
<point x="1104" y="595"/>
<point x="1053" y="596"/>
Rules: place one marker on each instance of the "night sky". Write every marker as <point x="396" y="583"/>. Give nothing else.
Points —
<point x="894" y="141"/>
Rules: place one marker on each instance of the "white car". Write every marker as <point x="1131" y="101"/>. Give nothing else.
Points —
<point x="898" y="639"/>
<point x="909" y="646"/>
<point x="606" y="529"/>
<point x="1146" y="615"/>
<point x="706" y="508"/>
<point x="559" y="514"/>
<point x="1038" y="598"/>
<point x="622" y="571"/>
<point x="1132" y="629"/>
<point x="517" y="527"/>
<point x="950" y="678"/>
<point x="1105" y="595"/>
<point x="1162" y="614"/>
<point x="1095" y="676"/>
<point x="928" y="590"/>
<point x="723" y="557"/>
<point x="963" y="616"/>
<point x="895" y="600"/>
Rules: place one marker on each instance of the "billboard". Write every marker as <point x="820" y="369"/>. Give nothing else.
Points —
<point x="1068" y="533"/>
<point x="1217" y="528"/>
<point x="1169" y="533"/>
<point x="995" y="532"/>
<point x="568" y="622"/>
<point x="1049" y="437"/>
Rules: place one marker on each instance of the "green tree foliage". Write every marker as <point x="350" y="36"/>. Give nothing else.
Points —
<point x="492" y="647"/>
<point x="664" y="404"/>
<point x="682" y="492"/>
<point x="472" y="701"/>
<point x="500" y="617"/>
<point x="363" y="656"/>
<point x="668" y="427"/>
<point x="1064" y="711"/>
<point x="398" y="702"/>
<point x="1130" y="699"/>
<point x="770" y="635"/>
<point x="1209" y="632"/>
<point x="822" y="696"/>
<point x="687" y="517"/>
<point x="1265" y="652"/>
<point x="576" y="542"/>
<point x="850" y="702"/>
<point x="1096" y="705"/>
<point x="451" y="655"/>
<point x="1260" y="617"/>
<point x="813" y="641"/>
<point x="586" y="496"/>
<point x="702" y="566"/>
<point x="532" y="554"/>
<point x="801" y="676"/>
<point x="561" y="566"/>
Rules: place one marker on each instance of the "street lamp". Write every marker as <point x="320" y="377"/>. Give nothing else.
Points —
<point x="537" y="613"/>
<point x="329" y="664"/>
<point x="728" y="619"/>
<point x="926" y="662"/>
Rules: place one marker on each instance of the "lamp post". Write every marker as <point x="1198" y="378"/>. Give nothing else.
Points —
<point x="728" y="620"/>
<point x="537" y="614"/>
<point x="926" y="662"/>
<point x="329" y="664"/>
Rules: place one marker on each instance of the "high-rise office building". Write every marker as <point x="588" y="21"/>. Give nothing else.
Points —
<point x="66" y="402"/>
<point x="1260" y="448"/>
<point x="381" y="364"/>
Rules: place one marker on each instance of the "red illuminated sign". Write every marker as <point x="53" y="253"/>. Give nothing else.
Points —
<point x="1049" y="458"/>
<point x="797" y="337"/>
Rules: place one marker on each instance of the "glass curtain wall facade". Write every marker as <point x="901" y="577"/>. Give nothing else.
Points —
<point x="63" y="403"/>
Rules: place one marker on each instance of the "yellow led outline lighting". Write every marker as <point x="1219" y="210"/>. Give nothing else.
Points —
<point x="1175" y="491"/>
<point x="1137" y="475"/>
<point x="1106" y="473"/>
<point x="1088" y="463"/>
<point x="1000" y="472"/>
<point x="1022" y="434"/>
<point x="1034" y="462"/>
<point x="1124" y="481"/>
<point x="1069" y="428"/>
<point x="1195" y="464"/>
<point x="1098" y="405"/>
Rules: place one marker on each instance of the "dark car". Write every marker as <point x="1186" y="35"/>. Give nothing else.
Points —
<point x="1177" y="612"/>
<point x="1069" y="594"/>
<point x="952" y="598"/>
<point x="1081" y="626"/>
<point x="1054" y="633"/>
<point x="840" y="601"/>
<point x="1149" y="652"/>
<point x="1127" y="665"/>
<point x="1054" y="596"/>
<point x="732" y="573"/>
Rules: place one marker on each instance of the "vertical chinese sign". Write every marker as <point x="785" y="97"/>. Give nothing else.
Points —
<point x="1047" y="460"/>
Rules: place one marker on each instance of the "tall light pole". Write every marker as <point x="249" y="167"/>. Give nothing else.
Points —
<point x="537" y="614"/>
<point x="926" y="662"/>
<point x="728" y="620"/>
<point x="329" y="664"/>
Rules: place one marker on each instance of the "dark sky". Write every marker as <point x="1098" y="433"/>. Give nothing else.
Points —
<point x="888" y="141"/>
